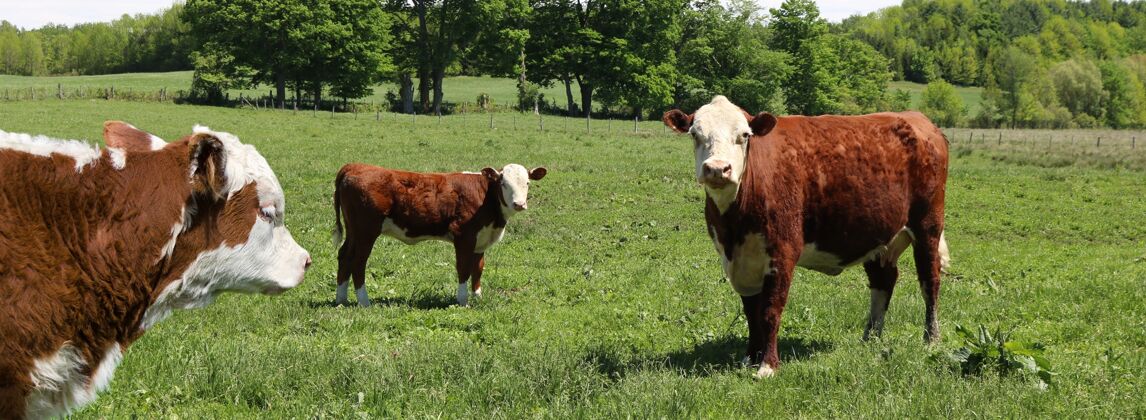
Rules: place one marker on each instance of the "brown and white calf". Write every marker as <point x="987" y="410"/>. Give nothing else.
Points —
<point x="469" y="210"/>
<point x="822" y="193"/>
<point x="97" y="245"/>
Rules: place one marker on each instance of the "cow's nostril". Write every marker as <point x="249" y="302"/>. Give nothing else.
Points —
<point x="306" y="265"/>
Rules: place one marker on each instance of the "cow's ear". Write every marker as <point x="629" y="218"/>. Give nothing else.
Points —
<point x="762" y="124"/>
<point x="207" y="167"/>
<point x="492" y="174"/>
<point x="678" y="121"/>
<point x="538" y="173"/>
<point x="125" y="136"/>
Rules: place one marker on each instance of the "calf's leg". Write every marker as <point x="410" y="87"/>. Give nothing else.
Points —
<point x="464" y="255"/>
<point x="475" y="273"/>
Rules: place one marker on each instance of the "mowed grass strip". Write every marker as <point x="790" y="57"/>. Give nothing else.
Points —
<point x="606" y="298"/>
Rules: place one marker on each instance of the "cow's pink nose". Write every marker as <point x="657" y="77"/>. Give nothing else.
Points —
<point x="519" y="206"/>
<point x="717" y="169"/>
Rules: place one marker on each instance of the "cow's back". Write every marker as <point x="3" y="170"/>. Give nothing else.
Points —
<point x="853" y="179"/>
<point x="423" y="204"/>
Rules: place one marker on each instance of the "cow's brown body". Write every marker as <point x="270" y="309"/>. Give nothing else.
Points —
<point x="825" y="193"/>
<point x="468" y="210"/>
<point x="85" y="254"/>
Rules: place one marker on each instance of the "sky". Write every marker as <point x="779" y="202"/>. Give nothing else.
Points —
<point x="31" y="14"/>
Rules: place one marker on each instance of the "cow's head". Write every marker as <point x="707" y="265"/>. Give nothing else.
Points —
<point x="514" y="182"/>
<point x="231" y="236"/>
<point x="720" y="132"/>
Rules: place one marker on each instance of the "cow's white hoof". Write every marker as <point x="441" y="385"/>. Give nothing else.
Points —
<point x="764" y="372"/>
<point x="477" y="293"/>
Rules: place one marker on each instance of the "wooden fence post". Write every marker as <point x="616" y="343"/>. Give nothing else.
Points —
<point x="540" y="122"/>
<point x="1098" y="143"/>
<point x="1000" y="142"/>
<point x="635" y="124"/>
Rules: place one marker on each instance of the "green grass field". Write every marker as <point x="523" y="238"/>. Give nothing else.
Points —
<point x="606" y="298"/>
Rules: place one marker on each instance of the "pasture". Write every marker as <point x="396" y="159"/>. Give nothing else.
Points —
<point x="606" y="299"/>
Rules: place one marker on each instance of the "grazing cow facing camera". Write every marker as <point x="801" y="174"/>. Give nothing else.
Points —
<point x="467" y="209"/>
<point x="96" y="246"/>
<point x="822" y="193"/>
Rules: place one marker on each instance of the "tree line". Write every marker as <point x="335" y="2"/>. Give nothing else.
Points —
<point x="1047" y="63"/>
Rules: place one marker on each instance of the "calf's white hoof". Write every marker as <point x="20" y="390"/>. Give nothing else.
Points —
<point x="765" y="371"/>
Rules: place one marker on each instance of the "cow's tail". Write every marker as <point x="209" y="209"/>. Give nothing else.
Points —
<point x="336" y="234"/>
<point x="944" y="253"/>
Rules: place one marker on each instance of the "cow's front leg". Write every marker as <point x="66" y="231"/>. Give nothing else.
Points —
<point x="475" y="273"/>
<point x="752" y="312"/>
<point x="464" y="254"/>
<point x="772" y="301"/>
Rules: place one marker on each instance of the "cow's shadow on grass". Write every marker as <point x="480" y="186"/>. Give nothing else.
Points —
<point x="419" y="301"/>
<point x="711" y="357"/>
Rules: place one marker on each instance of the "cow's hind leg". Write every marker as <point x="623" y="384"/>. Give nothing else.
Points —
<point x="881" y="283"/>
<point x="478" y="265"/>
<point x="928" y="264"/>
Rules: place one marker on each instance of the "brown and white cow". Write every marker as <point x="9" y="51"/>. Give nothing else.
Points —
<point x="822" y="193"/>
<point x="97" y="245"/>
<point x="467" y="209"/>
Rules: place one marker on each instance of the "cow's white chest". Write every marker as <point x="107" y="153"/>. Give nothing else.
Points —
<point x="59" y="386"/>
<point x="389" y="228"/>
<point x="488" y="236"/>
<point x="749" y="263"/>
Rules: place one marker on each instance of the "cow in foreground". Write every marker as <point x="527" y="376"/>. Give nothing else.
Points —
<point x="469" y="210"/>
<point x="97" y="246"/>
<point x="822" y="193"/>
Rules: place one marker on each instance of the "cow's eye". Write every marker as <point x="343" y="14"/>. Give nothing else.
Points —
<point x="743" y="138"/>
<point x="267" y="214"/>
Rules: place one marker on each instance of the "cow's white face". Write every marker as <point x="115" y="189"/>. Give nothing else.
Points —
<point x="514" y="181"/>
<point x="720" y="131"/>
<point x="256" y="253"/>
<point x="269" y="260"/>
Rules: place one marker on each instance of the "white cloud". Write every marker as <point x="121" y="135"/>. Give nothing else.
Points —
<point x="31" y="14"/>
<point x="836" y="10"/>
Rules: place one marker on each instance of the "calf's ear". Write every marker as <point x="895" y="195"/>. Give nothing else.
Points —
<point x="762" y="124"/>
<point x="125" y="136"/>
<point x="678" y="121"/>
<point x="492" y="174"/>
<point x="208" y="178"/>
<point x="537" y="173"/>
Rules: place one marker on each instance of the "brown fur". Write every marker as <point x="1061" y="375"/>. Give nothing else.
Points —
<point x="80" y="253"/>
<point x="845" y="183"/>
<point x="453" y="206"/>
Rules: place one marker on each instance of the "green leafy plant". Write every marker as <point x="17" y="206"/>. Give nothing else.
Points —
<point x="983" y="350"/>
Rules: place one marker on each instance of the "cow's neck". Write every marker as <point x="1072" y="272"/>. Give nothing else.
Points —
<point x="723" y="198"/>
<point x="495" y="198"/>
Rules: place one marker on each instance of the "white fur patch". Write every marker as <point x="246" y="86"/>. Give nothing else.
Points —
<point x="59" y="386"/>
<point x="750" y="262"/>
<point x="514" y="187"/>
<point x="156" y="142"/>
<point x="269" y="262"/>
<point x="340" y="293"/>
<point x="118" y="157"/>
<point x="765" y="371"/>
<point x="488" y="236"/>
<point x="463" y="294"/>
<point x="363" y="300"/>
<point x="944" y="253"/>
<point x="814" y="259"/>
<point x="876" y="311"/>
<point x="389" y="228"/>
<point x="83" y="153"/>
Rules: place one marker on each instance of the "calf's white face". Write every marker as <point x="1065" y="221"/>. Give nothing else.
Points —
<point x="514" y="180"/>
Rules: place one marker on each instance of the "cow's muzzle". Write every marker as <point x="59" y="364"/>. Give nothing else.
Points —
<point x="716" y="173"/>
